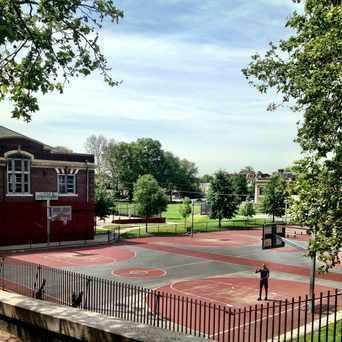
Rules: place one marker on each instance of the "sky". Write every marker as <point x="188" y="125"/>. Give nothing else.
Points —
<point x="180" y="65"/>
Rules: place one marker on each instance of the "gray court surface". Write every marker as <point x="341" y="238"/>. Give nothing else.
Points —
<point x="179" y="267"/>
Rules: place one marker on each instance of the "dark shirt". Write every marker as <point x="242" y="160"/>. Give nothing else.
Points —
<point x="264" y="273"/>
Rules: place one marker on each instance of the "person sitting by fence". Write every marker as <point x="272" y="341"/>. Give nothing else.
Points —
<point x="77" y="300"/>
<point x="264" y="275"/>
<point x="40" y="293"/>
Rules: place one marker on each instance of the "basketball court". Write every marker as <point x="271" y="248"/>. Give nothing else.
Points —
<point x="164" y="261"/>
<point x="217" y="267"/>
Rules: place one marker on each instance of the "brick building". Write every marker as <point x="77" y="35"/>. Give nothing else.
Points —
<point x="262" y="179"/>
<point x="29" y="167"/>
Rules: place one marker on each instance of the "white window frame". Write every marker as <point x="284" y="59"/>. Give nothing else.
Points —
<point x="12" y="173"/>
<point x="66" y="192"/>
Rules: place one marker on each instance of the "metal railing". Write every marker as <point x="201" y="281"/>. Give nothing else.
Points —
<point x="300" y="319"/>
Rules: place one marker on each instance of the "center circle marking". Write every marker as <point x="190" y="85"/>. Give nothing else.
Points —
<point x="139" y="273"/>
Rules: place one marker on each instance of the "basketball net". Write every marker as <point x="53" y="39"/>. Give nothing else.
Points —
<point x="63" y="219"/>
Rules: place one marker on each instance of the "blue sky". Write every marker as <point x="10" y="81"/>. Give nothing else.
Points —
<point x="180" y="62"/>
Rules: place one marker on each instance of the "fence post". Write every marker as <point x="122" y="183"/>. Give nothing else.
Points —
<point x="335" y="315"/>
<point x="2" y="272"/>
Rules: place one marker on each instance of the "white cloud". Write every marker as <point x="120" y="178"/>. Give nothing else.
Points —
<point x="189" y="94"/>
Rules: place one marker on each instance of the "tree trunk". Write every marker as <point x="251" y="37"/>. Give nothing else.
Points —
<point x="146" y="224"/>
<point x="273" y="217"/>
<point x="220" y="219"/>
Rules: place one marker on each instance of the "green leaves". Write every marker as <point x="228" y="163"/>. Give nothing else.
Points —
<point x="316" y="202"/>
<point x="149" y="196"/>
<point x="105" y="202"/>
<point x="274" y="197"/>
<point x="307" y="70"/>
<point x="185" y="208"/>
<point x="221" y="197"/>
<point x="43" y="44"/>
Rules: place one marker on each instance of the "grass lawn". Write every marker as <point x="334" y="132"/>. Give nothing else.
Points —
<point x="323" y="334"/>
<point x="176" y="225"/>
<point x="179" y="228"/>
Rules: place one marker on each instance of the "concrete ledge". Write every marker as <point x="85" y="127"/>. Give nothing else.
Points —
<point x="79" y="324"/>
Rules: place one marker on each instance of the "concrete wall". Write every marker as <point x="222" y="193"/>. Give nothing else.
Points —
<point x="36" y="320"/>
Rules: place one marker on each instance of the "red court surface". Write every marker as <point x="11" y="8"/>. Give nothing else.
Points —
<point x="77" y="256"/>
<point x="233" y="314"/>
<point x="140" y="273"/>
<point x="217" y="239"/>
<point x="194" y="280"/>
<point x="238" y="292"/>
<point x="288" y="250"/>
<point x="154" y="244"/>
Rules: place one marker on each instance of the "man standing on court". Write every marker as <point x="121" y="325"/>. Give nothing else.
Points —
<point x="264" y="275"/>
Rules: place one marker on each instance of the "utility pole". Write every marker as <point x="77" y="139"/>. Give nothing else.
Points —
<point x="313" y="277"/>
<point x="48" y="222"/>
<point x="312" y="282"/>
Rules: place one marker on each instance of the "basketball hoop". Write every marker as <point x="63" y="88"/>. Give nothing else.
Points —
<point x="60" y="213"/>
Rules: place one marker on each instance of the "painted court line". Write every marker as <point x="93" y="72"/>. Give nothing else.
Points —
<point x="299" y="270"/>
<point x="209" y="299"/>
<point x="253" y="322"/>
<point x="198" y="296"/>
<point x="189" y="264"/>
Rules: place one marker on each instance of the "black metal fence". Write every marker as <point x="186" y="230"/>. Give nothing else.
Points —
<point x="300" y="319"/>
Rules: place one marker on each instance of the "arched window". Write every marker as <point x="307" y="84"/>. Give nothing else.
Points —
<point x="18" y="174"/>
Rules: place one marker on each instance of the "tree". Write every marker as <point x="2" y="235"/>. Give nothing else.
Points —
<point x="122" y="167"/>
<point x="274" y="197"/>
<point x="185" y="209"/>
<point x="105" y="202"/>
<point x="316" y="203"/>
<point x="98" y="146"/>
<point x="246" y="170"/>
<point x="206" y="178"/>
<point x="247" y="209"/>
<point x="221" y="198"/>
<point x="126" y="162"/>
<point x="149" y="158"/>
<point x="240" y="187"/>
<point x="45" y="43"/>
<point x="149" y="197"/>
<point x="306" y="69"/>
<point x="188" y="183"/>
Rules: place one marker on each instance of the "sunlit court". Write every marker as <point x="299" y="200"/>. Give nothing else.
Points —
<point x="209" y="277"/>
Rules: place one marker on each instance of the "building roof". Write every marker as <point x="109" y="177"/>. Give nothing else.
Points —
<point x="6" y="133"/>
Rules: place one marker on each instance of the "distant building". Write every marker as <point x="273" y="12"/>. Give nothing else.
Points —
<point x="262" y="179"/>
<point x="29" y="168"/>
<point x="204" y="187"/>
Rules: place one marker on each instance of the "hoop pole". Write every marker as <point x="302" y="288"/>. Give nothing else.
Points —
<point x="48" y="221"/>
